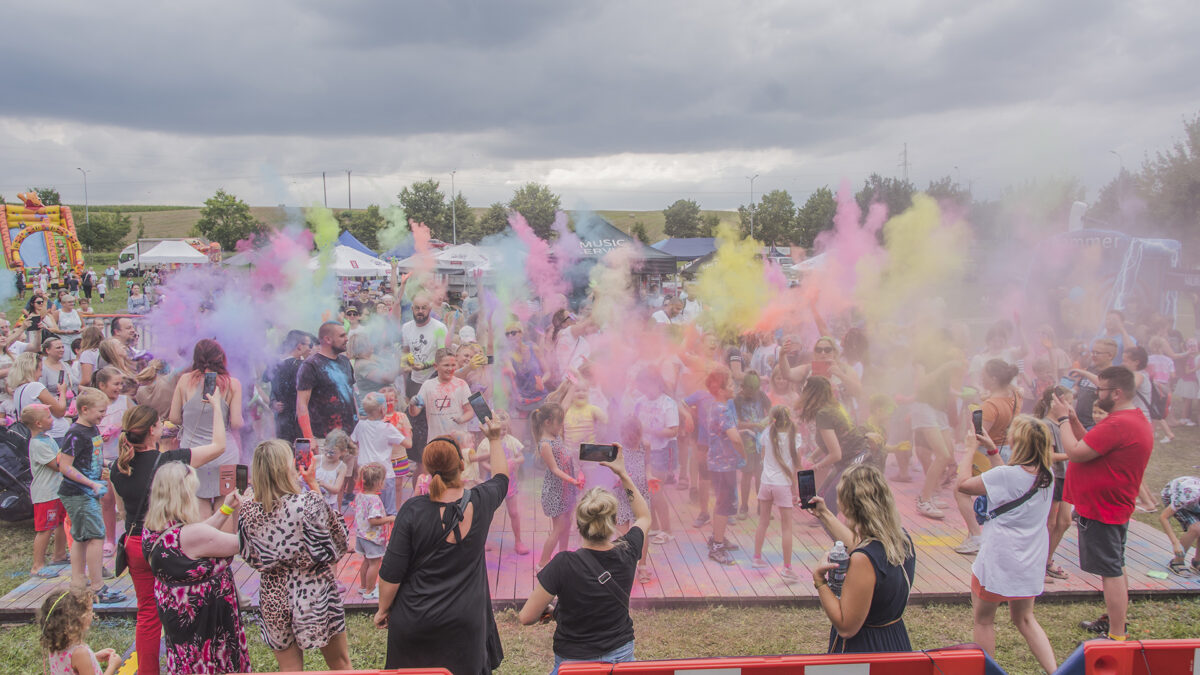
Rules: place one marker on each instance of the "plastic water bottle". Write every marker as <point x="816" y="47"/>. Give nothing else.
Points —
<point x="837" y="575"/>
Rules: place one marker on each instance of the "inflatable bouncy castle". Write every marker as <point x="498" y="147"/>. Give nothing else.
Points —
<point x="34" y="234"/>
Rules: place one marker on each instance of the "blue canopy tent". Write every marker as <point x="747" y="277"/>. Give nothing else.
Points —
<point x="686" y="249"/>
<point x="347" y="239"/>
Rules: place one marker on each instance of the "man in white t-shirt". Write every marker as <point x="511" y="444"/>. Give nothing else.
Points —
<point x="420" y="339"/>
<point x="444" y="399"/>
<point x="670" y="313"/>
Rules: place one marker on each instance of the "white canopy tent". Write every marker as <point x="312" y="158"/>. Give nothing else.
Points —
<point x="172" y="252"/>
<point x="809" y="264"/>
<point x="451" y="260"/>
<point x="348" y="262"/>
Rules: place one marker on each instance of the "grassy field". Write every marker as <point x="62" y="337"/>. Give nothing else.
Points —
<point x="177" y="221"/>
<point x="707" y="631"/>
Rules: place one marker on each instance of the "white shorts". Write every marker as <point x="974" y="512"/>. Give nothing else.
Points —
<point x="924" y="416"/>
<point x="1185" y="389"/>
<point x="779" y="495"/>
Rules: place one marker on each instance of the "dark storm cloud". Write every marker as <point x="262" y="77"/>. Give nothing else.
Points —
<point x="567" y="79"/>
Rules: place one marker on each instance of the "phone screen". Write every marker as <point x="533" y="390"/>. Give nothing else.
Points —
<point x="242" y="477"/>
<point x="480" y="406"/>
<point x="1067" y="383"/>
<point x="806" y="481"/>
<point x="594" y="452"/>
<point x="62" y="376"/>
<point x="977" y="420"/>
<point x="821" y="368"/>
<point x="210" y="383"/>
<point x="303" y="451"/>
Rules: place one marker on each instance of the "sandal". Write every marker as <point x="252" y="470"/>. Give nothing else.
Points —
<point x="1056" y="571"/>
<point x="1179" y="568"/>
<point x="644" y="575"/>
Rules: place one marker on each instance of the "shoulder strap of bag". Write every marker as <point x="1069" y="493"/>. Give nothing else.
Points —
<point x="601" y="575"/>
<point x="1009" y="506"/>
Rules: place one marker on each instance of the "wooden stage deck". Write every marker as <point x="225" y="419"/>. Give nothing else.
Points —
<point x="684" y="575"/>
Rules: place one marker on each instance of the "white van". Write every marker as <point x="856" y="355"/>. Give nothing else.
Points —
<point x="127" y="262"/>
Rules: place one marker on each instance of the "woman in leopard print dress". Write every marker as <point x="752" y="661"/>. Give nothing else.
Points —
<point x="293" y="539"/>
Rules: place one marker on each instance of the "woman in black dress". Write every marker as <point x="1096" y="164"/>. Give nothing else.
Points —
<point x="868" y="617"/>
<point x="433" y="589"/>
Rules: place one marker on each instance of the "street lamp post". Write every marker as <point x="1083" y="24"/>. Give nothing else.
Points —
<point x="87" y="221"/>
<point x="752" y="209"/>
<point x="453" y="215"/>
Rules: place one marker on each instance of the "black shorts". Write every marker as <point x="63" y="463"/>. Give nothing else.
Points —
<point x="724" y="485"/>
<point x="1102" y="547"/>
<point x="1058" y="489"/>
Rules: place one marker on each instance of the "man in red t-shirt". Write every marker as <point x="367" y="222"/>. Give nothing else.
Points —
<point x="1103" y="478"/>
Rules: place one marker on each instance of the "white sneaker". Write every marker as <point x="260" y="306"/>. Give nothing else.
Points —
<point x="1187" y="423"/>
<point x="928" y="510"/>
<point x="939" y="502"/>
<point x="1164" y="439"/>
<point x="969" y="546"/>
<point x="373" y="595"/>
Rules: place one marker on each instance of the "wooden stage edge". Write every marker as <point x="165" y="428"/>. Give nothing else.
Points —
<point x="684" y="577"/>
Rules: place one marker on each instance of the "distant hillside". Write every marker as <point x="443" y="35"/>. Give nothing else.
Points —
<point x="174" y="221"/>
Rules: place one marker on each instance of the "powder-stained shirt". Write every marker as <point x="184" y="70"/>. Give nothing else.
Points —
<point x="331" y="404"/>
<point x="722" y="455"/>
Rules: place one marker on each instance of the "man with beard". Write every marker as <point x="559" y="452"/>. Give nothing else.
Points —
<point x="325" y="386"/>
<point x="298" y="347"/>
<point x="420" y="339"/>
<point x="123" y="329"/>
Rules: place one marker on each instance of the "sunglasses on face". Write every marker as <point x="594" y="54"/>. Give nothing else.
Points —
<point x="512" y="333"/>
<point x="824" y="350"/>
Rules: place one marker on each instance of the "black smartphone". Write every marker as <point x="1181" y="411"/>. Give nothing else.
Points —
<point x="242" y="478"/>
<point x="210" y="384"/>
<point x="806" y="482"/>
<point x="595" y="452"/>
<point x="480" y="406"/>
<point x="62" y="376"/>
<point x="302" y="449"/>
<point x="977" y="420"/>
<point x="491" y="359"/>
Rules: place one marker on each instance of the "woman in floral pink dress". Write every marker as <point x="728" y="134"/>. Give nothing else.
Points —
<point x="193" y="583"/>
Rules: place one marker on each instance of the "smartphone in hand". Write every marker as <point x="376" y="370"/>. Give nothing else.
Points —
<point x="806" y="482"/>
<point x="480" y="406"/>
<point x="302" y="449"/>
<point x="595" y="452"/>
<point x="242" y="478"/>
<point x="977" y="420"/>
<point x="210" y="384"/>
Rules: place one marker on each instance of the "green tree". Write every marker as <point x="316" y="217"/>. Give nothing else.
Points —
<point x="227" y="220"/>
<point x="708" y="225"/>
<point x="1118" y="200"/>
<point x="774" y="218"/>
<point x="424" y="203"/>
<point x="538" y="205"/>
<point x="946" y="189"/>
<point x="493" y="221"/>
<point x="1170" y="184"/>
<point x="815" y="216"/>
<point x="48" y="195"/>
<point x="464" y="215"/>
<point x="639" y="230"/>
<point x="894" y="193"/>
<point x="105" y="232"/>
<point x="682" y="219"/>
<point x="141" y="233"/>
<point x="364" y="225"/>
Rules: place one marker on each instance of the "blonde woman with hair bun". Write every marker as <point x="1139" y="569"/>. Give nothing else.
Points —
<point x="594" y="582"/>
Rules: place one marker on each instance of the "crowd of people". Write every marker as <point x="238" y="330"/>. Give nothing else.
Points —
<point x="1019" y="438"/>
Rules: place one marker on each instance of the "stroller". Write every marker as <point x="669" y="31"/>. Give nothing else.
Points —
<point x="16" y="503"/>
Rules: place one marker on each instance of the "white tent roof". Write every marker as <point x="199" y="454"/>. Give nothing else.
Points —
<point x="809" y="264"/>
<point x="172" y="252"/>
<point x="452" y="259"/>
<point x="348" y="262"/>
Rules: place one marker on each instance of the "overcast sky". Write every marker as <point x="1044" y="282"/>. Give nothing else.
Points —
<point x="616" y="105"/>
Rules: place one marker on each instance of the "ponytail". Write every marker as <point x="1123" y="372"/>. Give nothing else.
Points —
<point x="538" y="419"/>
<point x="135" y="431"/>
<point x="1042" y="407"/>
<point x="443" y="460"/>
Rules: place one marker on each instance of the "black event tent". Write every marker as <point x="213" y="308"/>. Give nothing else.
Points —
<point x="598" y="237"/>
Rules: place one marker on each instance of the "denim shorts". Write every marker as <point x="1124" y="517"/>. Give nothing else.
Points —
<point x="86" y="521"/>
<point x="621" y="654"/>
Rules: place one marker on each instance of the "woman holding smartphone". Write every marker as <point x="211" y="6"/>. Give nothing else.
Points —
<point x="594" y="582"/>
<point x="190" y="410"/>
